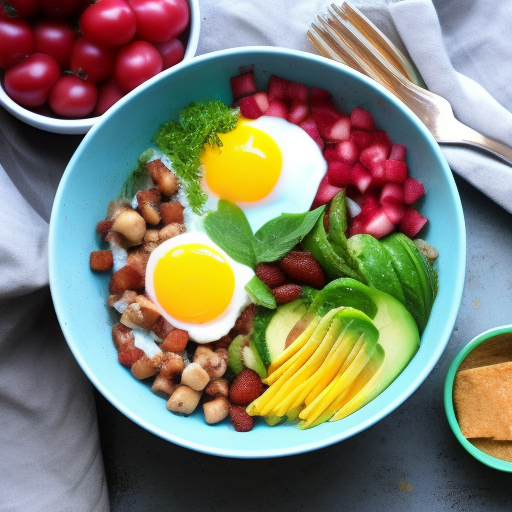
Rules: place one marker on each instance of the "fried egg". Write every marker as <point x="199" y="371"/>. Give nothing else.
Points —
<point x="196" y="286"/>
<point x="266" y="166"/>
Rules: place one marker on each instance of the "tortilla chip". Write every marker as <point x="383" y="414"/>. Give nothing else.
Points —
<point x="483" y="401"/>
<point x="499" y="449"/>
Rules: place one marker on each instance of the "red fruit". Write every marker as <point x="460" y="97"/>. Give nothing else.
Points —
<point x="54" y="37"/>
<point x="95" y="61"/>
<point x="16" y="40"/>
<point x="243" y="85"/>
<point x="254" y="105"/>
<point x="72" y="97"/>
<point x="361" y="177"/>
<point x="309" y="126"/>
<point x="296" y="91"/>
<point x="303" y="266"/>
<point x="361" y="118"/>
<point x="277" y="88"/>
<point x="411" y="222"/>
<point x="393" y="191"/>
<point x="413" y="190"/>
<point x="339" y="174"/>
<point x="286" y="293"/>
<point x="299" y="111"/>
<point x="332" y="124"/>
<point x="373" y="154"/>
<point x="394" y="210"/>
<point x="277" y="108"/>
<point x="171" y="51"/>
<point x="24" y="8"/>
<point x="108" y="94"/>
<point x="398" y="152"/>
<point x="346" y="151"/>
<point x="395" y="170"/>
<point x="380" y="137"/>
<point x="325" y="192"/>
<point x="240" y="419"/>
<point x="361" y="138"/>
<point x="245" y="388"/>
<point x="318" y="95"/>
<point x="270" y="274"/>
<point x="379" y="225"/>
<point x="378" y="172"/>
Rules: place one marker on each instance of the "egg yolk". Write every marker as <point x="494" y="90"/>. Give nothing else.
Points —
<point x="246" y="167"/>
<point x="193" y="283"/>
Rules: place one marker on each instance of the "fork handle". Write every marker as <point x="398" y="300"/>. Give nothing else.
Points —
<point x="462" y="134"/>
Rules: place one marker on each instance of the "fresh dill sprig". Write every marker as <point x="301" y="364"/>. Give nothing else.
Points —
<point x="182" y="141"/>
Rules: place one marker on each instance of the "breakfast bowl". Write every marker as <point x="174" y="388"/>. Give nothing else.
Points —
<point x="45" y="119"/>
<point x="484" y="356"/>
<point x="110" y="151"/>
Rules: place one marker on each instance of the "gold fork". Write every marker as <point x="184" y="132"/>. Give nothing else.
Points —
<point x="347" y="36"/>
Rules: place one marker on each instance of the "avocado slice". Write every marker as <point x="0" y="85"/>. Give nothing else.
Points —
<point x="416" y="275"/>
<point x="375" y="264"/>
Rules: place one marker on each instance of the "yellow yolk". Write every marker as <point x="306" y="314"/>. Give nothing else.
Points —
<point x="246" y="167"/>
<point x="193" y="283"/>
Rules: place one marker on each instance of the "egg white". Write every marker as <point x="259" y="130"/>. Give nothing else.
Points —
<point x="220" y="326"/>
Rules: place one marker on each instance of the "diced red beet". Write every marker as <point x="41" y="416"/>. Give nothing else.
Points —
<point x="276" y="88"/>
<point x="345" y="151"/>
<point x="411" y="222"/>
<point x="339" y="174"/>
<point x="296" y="91"/>
<point x="254" y="105"/>
<point x="299" y="111"/>
<point x="379" y="224"/>
<point x="361" y="177"/>
<point x="361" y="118"/>
<point x="243" y="84"/>
<point x="309" y="126"/>
<point x="394" y="210"/>
<point x="398" y="152"/>
<point x="373" y="154"/>
<point x="392" y="191"/>
<point x="413" y="190"/>
<point x="325" y="192"/>
<point x="277" y="108"/>
<point x="396" y="170"/>
<point x="318" y="96"/>
<point x="361" y="138"/>
<point x="332" y="125"/>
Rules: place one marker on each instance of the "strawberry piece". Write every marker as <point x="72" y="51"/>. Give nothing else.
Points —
<point x="304" y="267"/>
<point x="373" y="154"/>
<point x="286" y="293"/>
<point x="394" y="210"/>
<point x="325" y="192"/>
<point x="361" y="138"/>
<point x="369" y="205"/>
<point x="357" y="225"/>
<point x="411" y="222"/>
<point x="396" y="170"/>
<point x="392" y="191"/>
<point x="413" y="190"/>
<point x="339" y="174"/>
<point x="296" y="91"/>
<point x="361" y="177"/>
<point x="345" y="151"/>
<point x="277" y="108"/>
<point x="318" y="96"/>
<point x="398" y="152"/>
<point x="276" y="88"/>
<point x="379" y="224"/>
<point x="378" y="172"/>
<point x="361" y="118"/>
<point x="309" y="126"/>
<point x="245" y="388"/>
<point x="243" y="85"/>
<point x="299" y="112"/>
<point x="381" y="138"/>
<point x="240" y="419"/>
<point x="332" y="125"/>
<point x="270" y="274"/>
<point x="254" y="105"/>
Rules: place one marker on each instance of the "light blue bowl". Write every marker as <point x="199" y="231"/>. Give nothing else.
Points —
<point x="98" y="169"/>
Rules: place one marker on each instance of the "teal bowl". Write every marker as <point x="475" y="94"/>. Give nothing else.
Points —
<point x="101" y="164"/>
<point x="479" y="455"/>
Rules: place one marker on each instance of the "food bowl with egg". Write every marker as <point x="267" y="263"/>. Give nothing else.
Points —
<point x="50" y="32"/>
<point x="273" y="216"/>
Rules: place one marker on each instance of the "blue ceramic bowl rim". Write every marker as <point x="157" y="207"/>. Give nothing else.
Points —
<point x="81" y="126"/>
<point x="451" y="314"/>
<point x="483" y="457"/>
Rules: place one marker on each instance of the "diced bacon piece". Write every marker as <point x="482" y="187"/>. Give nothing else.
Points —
<point x="277" y="108"/>
<point x="309" y="126"/>
<point x="411" y="222"/>
<point x="296" y="91"/>
<point x="393" y="191"/>
<point x="379" y="225"/>
<point x="339" y="174"/>
<point x="276" y="88"/>
<point x="361" y="177"/>
<point x="398" y="152"/>
<point x="254" y="105"/>
<point x="345" y="151"/>
<point x="361" y="138"/>
<point x="318" y="96"/>
<point x="299" y="111"/>
<point x="332" y="125"/>
<point x="373" y="154"/>
<point x="324" y="193"/>
<point x="396" y="170"/>
<point x="243" y="84"/>
<point x="413" y="190"/>
<point x="361" y="118"/>
<point x="394" y="209"/>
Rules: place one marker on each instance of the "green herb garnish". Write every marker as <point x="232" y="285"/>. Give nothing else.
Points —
<point x="137" y="177"/>
<point x="182" y="141"/>
<point x="260" y="293"/>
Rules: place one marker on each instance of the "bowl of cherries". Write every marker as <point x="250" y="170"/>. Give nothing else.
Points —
<point x="64" y="63"/>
